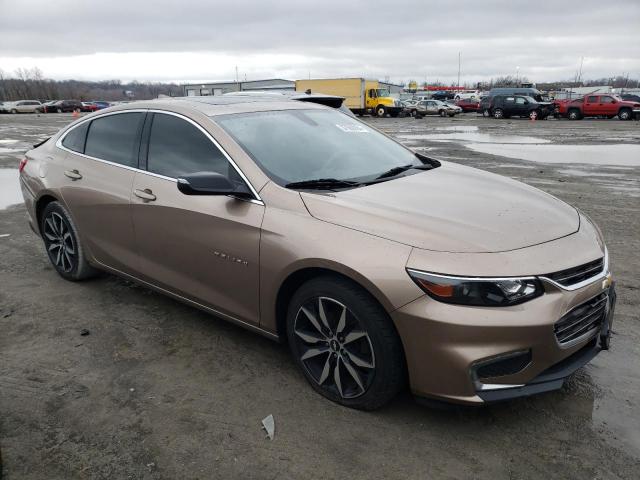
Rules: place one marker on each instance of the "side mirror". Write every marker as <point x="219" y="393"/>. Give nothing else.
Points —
<point x="211" y="183"/>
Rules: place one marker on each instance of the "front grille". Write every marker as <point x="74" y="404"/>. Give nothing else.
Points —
<point x="510" y="365"/>
<point x="574" y="275"/>
<point x="583" y="319"/>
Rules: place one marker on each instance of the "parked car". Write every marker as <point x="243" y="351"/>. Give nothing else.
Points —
<point x="89" y="107"/>
<point x="314" y="229"/>
<point x="469" y="104"/>
<point x="410" y="107"/>
<point x="598" y="105"/>
<point x="101" y="104"/>
<point x="505" y="106"/>
<point x="22" y="106"/>
<point x="466" y="96"/>
<point x="442" y="95"/>
<point x="436" y="107"/>
<point x="630" y="97"/>
<point x="64" y="106"/>
<point x="522" y="91"/>
<point x="2" y="108"/>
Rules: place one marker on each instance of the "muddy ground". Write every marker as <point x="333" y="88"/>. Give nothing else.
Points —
<point x="159" y="390"/>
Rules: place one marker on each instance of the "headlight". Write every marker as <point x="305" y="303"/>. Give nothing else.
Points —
<point x="477" y="291"/>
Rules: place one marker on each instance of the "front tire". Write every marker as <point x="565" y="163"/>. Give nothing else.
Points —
<point x="381" y="111"/>
<point x="486" y="112"/>
<point x="345" y="343"/>
<point x="624" y="114"/>
<point x="498" y="113"/>
<point x="574" y="115"/>
<point x="62" y="243"/>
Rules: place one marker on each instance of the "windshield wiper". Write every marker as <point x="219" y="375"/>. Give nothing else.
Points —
<point x="322" y="184"/>
<point x="398" y="170"/>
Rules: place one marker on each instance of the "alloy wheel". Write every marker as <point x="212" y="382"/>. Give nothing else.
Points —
<point x="334" y="348"/>
<point x="60" y="242"/>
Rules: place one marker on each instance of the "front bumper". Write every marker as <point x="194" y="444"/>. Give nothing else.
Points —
<point x="445" y="344"/>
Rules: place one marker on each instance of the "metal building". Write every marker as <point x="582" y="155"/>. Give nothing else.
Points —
<point x="218" y="88"/>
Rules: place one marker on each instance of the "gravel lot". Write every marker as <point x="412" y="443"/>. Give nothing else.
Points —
<point x="159" y="390"/>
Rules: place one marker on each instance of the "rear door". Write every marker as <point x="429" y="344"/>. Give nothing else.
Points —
<point x="591" y="105"/>
<point x="202" y="247"/>
<point x="97" y="176"/>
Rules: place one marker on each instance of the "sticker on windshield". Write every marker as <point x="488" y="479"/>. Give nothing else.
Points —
<point x="352" y="128"/>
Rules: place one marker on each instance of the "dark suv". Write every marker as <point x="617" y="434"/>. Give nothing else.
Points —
<point x="505" y="106"/>
<point x="64" y="106"/>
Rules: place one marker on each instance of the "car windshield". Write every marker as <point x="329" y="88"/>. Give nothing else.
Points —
<point x="300" y="145"/>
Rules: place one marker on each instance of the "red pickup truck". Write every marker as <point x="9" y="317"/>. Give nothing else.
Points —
<point x="597" y="105"/>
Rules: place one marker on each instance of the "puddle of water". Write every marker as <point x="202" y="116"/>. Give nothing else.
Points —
<point x="574" y="172"/>
<point x="459" y="128"/>
<point x="604" y="155"/>
<point x="10" y="193"/>
<point x="476" y="137"/>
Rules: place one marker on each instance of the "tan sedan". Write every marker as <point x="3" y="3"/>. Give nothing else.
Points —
<point x="376" y="264"/>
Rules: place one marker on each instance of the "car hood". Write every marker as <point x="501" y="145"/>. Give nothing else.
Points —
<point x="452" y="208"/>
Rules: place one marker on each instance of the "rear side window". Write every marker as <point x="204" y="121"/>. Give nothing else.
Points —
<point x="176" y="148"/>
<point x="115" y="138"/>
<point x="592" y="99"/>
<point x="606" y="100"/>
<point x="74" y="140"/>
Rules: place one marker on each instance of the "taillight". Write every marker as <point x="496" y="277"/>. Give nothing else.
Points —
<point x="23" y="163"/>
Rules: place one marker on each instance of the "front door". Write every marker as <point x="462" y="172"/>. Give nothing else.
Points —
<point x="608" y="105"/>
<point x="202" y="247"/>
<point x="98" y="174"/>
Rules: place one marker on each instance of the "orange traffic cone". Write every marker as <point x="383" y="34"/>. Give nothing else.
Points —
<point x="75" y="113"/>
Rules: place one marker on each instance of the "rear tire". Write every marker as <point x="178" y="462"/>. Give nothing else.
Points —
<point x="442" y="113"/>
<point x="486" y="112"/>
<point x="334" y="325"/>
<point x="62" y="243"/>
<point x="14" y="111"/>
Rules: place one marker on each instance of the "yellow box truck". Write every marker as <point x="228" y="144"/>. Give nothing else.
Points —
<point x="361" y="95"/>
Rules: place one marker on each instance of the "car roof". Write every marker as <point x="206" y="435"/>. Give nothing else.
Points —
<point x="221" y="104"/>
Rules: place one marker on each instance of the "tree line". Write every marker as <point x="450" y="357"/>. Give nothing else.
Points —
<point x="30" y="84"/>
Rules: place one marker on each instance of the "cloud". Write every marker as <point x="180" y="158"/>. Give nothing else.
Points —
<point x="205" y="40"/>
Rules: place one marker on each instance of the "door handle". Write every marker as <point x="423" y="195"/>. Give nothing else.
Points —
<point x="73" y="174"/>
<point x="145" y="194"/>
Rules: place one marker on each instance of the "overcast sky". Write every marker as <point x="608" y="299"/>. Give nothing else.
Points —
<point x="197" y="40"/>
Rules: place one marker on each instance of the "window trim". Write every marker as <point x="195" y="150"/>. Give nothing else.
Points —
<point x="145" y="142"/>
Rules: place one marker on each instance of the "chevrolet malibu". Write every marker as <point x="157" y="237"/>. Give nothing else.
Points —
<point x="377" y="265"/>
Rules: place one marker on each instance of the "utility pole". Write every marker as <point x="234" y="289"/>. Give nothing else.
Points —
<point x="236" y="73"/>
<point x="580" y="71"/>
<point x="459" y="70"/>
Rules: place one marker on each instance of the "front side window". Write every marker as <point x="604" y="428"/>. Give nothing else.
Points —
<point x="177" y="148"/>
<point x="592" y="99"/>
<point x="115" y="138"/>
<point x="74" y="140"/>
<point x="520" y="100"/>
<point x="298" y="145"/>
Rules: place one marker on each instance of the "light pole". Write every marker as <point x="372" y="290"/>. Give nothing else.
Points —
<point x="517" y="75"/>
